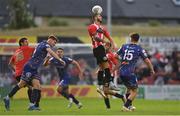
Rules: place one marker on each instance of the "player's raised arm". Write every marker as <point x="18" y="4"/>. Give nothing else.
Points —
<point x="51" y="52"/>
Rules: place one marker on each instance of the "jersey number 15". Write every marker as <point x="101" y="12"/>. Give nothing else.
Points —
<point x="128" y="55"/>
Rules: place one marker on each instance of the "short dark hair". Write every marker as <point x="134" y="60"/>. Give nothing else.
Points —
<point x="22" y="40"/>
<point x="53" y="37"/>
<point x="134" y="37"/>
<point x="60" y="49"/>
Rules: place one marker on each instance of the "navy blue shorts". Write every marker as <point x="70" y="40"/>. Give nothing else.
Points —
<point x="65" y="81"/>
<point x="29" y="74"/>
<point x="130" y="81"/>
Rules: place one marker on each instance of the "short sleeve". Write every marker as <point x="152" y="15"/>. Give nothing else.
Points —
<point x="92" y="30"/>
<point x="12" y="59"/>
<point x="47" y="45"/>
<point x="69" y="60"/>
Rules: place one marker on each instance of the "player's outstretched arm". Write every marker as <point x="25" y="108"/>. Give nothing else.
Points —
<point x="52" y="53"/>
<point x="149" y="64"/>
<point x="46" y="61"/>
<point x="79" y="68"/>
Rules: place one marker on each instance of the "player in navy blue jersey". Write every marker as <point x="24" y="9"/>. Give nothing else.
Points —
<point x="30" y="75"/>
<point x="63" y="86"/>
<point x="129" y="54"/>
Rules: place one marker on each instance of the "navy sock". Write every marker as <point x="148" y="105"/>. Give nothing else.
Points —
<point x="74" y="99"/>
<point x="29" y="95"/>
<point x="107" y="102"/>
<point x="128" y="102"/>
<point x="13" y="91"/>
<point x="100" y="77"/>
<point x="118" y="95"/>
<point x="38" y="99"/>
<point x="35" y="94"/>
<point x="127" y="95"/>
<point x="107" y="75"/>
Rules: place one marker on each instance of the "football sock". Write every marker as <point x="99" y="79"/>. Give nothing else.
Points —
<point x="100" y="77"/>
<point x="38" y="99"/>
<point x="13" y="91"/>
<point x="128" y="102"/>
<point x="35" y="94"/>
<point x="107" y="102"/>
<point x="29" y="94"/>
<point x="127" y="95"/>
<point x="107" y="75"/>
<point x="74" y="99"/>
<point x="118" y="95"/>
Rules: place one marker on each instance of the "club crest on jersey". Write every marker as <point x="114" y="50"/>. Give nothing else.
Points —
<point x="28" y="74"/>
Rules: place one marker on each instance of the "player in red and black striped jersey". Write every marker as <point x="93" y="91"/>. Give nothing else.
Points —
<point x="98" y="34"/>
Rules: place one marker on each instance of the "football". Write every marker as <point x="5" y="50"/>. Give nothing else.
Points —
<point x="97" y="9"/>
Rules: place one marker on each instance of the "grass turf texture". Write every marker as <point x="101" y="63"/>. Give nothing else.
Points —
<point x="93" y="106"/>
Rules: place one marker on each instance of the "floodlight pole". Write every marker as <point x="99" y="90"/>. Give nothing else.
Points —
<point x="109" y="15"/>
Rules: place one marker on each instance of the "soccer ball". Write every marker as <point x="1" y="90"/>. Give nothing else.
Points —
<point x="97" y="9"/>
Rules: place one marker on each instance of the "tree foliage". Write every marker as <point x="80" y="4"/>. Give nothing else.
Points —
<point x="20" y="17"/>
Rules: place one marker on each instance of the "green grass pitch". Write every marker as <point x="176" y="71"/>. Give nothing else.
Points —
<point x="93" y="106"/>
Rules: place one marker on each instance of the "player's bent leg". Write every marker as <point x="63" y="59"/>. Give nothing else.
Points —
<point x="110" y="92"/>
<point x="112" y="86"/>
<point x="29" y="92"/>
<point x="39" y="99"/>
<point x="63" y="91"/>
<point x="133" y="93"/>
<point x="107" y="102"/>
<point x="35" y="94"/>
<point x="100" y="83"/>
<point x="101" y="92"/>
<point x="12" y="93"/>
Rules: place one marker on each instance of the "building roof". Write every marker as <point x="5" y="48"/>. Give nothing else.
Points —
<point x="120" y="8"/>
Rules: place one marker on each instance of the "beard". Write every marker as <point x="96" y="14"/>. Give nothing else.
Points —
<point x="99" y="20"/>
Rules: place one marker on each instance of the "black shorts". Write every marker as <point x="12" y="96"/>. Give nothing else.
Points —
<point x="100" y="54"/>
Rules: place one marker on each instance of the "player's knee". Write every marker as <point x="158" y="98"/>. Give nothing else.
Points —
<point x="59" y="89"/>
<point x="21" y="84"/>
<point x="37" y="86"/>
<point x="106" y="90"/>
<point x="63" y="93"/>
